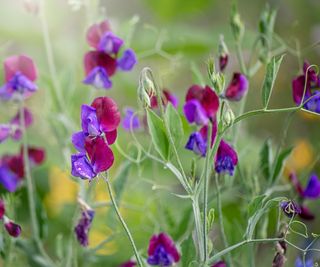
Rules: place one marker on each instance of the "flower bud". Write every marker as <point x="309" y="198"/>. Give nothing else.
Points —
<point x="266" y="25"/>
<point x="237" y="25"/>
<point x="223" y="54"/>
<point x="217" y="78"/>
<point x="12" y="228"/>
<point x="146" y="88"/>
<point x="227" y="116"/>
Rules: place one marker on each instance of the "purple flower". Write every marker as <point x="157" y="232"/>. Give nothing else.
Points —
<point x="312" y="189"/>
<point x="197" y="144"/>
<point x="299" y="263"/>
<point x="226" y="158"/>
<point x="201" y="104"/>
<point x="103" y="63"/>
<point x="307" y="83"/>
<point x="9" y="180"/>
<point x="83" y="227"/>
<point x="128" y="264"/>
<point x="219" y="264"/>
<point x="162" y="251"/>
<point x="166" y="97"/>
<point x="99" y="130"/>
<point x="130" y="121"/>
<point x="290" y="208"/>
<point x="12" y="228"/>
<point x="20" y="74"/>
<point x="237" y="88"/>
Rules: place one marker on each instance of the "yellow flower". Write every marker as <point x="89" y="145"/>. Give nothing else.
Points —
<point x="62" y="190"/>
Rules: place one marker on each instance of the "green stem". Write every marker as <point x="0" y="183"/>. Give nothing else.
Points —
<point x="208" y="168"/>
<point x="243" y="67"/>
<point x="30" y="186"/>
<point x="124" y="225"/>
<point x="223" y="233"/>
<point x="199" y="234"/>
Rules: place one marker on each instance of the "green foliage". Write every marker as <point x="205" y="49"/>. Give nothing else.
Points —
<point x="265" y="159"/>
<point x="175" y="124"/>
<point x="279" y="163"/>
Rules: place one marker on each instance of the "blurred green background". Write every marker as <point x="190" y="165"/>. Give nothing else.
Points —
<point x="174" y="38"/>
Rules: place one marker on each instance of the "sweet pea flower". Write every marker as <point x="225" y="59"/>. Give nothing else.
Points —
<point x="310" y="83"/>
<point x="103" y="62"/>
<point x="12" y="167"/>
<point x="2" y="209"/>
<point x="237" y="88"/>
<point x="290" y="208"/>
<point x="219" y="264"/>
<point x="20" y="74"/>
<point x="299" y="263"/>
<point x="130" y="120"/>
<point x="167" y="97"/>
<point x="128" y="264"/>
<point x="162" y="251"/>
<point x="13" y="128"/>
<point x="202" y="104"/>
<point x="99" y="130"/>
<point x="84" y="224"/>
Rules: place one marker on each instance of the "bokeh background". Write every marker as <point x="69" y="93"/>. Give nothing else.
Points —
<point x="174" y="38"/>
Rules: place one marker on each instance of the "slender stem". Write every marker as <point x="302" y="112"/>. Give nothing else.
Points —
<point x="30" y="186"/>
<point x="241" y="59"/>
<point x="124" y="225"/>
<point x="223" y="233"/>
<point x="199" y="234"/>
<point x="208" y="168"/>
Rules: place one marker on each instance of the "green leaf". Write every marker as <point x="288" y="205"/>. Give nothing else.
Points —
<point x="175" y="124"/>
<point x="265" y="159"/>
<point x="301" y="228"/>
<point x="210" y="219"/>
<point x="121" y="179"/>
<point x="280" y="162"/>
<point x="188" y="252"/>
<point x="183" y="225"/>
<point x="269" y="79"/>
<point x="158" y="135"/>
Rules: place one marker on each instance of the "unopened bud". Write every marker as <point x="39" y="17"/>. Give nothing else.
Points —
<point x="237" y="25"/>
<point x="216" y="78"/>
<point x="146" y="88"/>
<point x="12" y="228"/>
<point x="223" y="54"/>
<point x="227" y="116"/>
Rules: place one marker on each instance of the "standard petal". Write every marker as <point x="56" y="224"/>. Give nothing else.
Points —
<point x="298" y="85"/>
<point x="107" y="113"/>
<point x="22" y="64"/>
<point x="95" y="32"/>
<point x="101" y="156"/>
<point x="101" y="59"/>
<point x="111" y="136"/>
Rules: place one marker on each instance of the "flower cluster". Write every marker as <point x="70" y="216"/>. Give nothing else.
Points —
<point x="305" y="89"/>
<point x="103" y="62"/>
<point x="99" y="130"/>
<point x="20" y="73"/>
<point x="201" y="107"/>
<point x="11" y="227"/>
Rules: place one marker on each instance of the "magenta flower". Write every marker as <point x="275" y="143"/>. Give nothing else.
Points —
<point x="237" y="88"/>
<point x="201" y="105"/>
<point x="128" y="264"/>
<point x="13" y="129"/>
<point x="12" y="167"/>
<point x="2" y="209"/>
<point x="20" y="74"/>
<point x="83" y="227"/>
<point x="162" y="251"/>
<point x="12" y="228"/>
<point x="130" y="121"/>
<point x="219" y="264"/>
<point x="99" y="130"/>
<point x="103" y="62"/>
<point x="226" y="158"/>
<point x="167" y="97"/>
<point x="311" y="82"/>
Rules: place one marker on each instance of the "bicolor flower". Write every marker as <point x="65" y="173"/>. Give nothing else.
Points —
<point x="311" y="191"/>
<point x="103" y="62"/>
<point x="219" y="264"/>
<point x="237" y="88"/>
<point x="128" y="264"/>
<point x="162" y="251"/>
<point x="130" y="120"/>
<point x="226" y="158"/>
<point x="167" y="97"/>
<point x="11" y="227"/>
<point x="83" y="227"/>
<point x="12" y="167"/>
<point x="20" y="75"/>
<point x="290" y="208"/>
<point x="99" y="130"/>
<point x="201" y="105"/>
<point x="305" y="88"/>
<point x="13" y="128"/>
<point x="299" y="263"/>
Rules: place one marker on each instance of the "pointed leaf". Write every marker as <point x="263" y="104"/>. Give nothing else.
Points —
<point x="175" y="124"/>
<point x="269" y="79"/>
<point x="265" y="159"/>
<point x="280" y="163"/>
